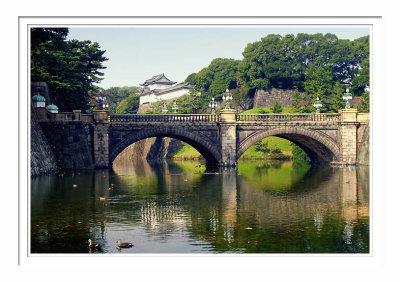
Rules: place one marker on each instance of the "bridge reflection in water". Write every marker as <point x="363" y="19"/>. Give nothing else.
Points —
<point x="182" y="208"/>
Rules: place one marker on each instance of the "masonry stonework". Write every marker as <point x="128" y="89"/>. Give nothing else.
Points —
<point x="349" y="136"/>
<point x="43" y="160"/>
<point x="221" y="139"/>
<point x="71" y="143"/>
<point x="228" y="137"/>
<point x="100" y="139"/>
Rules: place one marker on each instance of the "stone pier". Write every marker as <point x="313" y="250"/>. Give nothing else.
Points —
<point x="100" y="138"/>
<point x="348" y="128"/>
<point x="228" y="137"/>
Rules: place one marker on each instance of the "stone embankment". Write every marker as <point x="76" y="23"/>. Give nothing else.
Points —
<point x="151" y="149"/>
<point x="268" y="97"/>
<point x="43" y="160"/>
<point x="71" y="142"/>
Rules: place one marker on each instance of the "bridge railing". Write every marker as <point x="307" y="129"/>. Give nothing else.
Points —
<point x="164" y="118"/>
<point x="64" y="116"/>
<point x="288" y="117"/>
<point x="88" y="118"/>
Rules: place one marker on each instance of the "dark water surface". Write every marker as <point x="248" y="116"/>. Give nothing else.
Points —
<point x="180" y="207"/>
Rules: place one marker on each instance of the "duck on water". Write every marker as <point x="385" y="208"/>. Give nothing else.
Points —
<point x="124" y="245"/>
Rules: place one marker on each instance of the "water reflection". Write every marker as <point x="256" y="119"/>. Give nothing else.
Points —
<point x="276" y="207"/>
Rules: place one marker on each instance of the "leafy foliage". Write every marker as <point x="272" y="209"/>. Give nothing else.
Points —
<point x="337" y="102"/>
<point x="315" y="64"/>
<point x="296" y="102"/>
<point x="117" y="96"/>
<point x="262" y="146"/>
<point x="290" y="61"/>
<point x="277" y="108"/>
<point x="129" y="105"/>
<point x="70" y="68"/>
<point x="241" y="97"/>
<point x="364" y="105"/>
<point x="318" y="84"/>
<point x="299" y="154"/>
<point x="276" y="150"/>
<point x="213" y="80"/>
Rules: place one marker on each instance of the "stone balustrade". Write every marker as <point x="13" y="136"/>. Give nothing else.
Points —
<point x="43" y="115"/>
<point x="118" y="118"/>
<point x="288" y="117"/>
<point x="163" y="118"/>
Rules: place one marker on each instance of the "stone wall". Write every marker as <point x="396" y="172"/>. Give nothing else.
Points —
<point x="151" y="149"/>
<point x="162" y="147"/>
<point x="268" y="97"/>
<point x="43" y="160"/>
<point x="71" y="142"/>
<point x="363" y="144"/>
<point x="136" y="151"/>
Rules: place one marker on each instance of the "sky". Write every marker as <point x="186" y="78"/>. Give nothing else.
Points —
<point x="137" y="53"/>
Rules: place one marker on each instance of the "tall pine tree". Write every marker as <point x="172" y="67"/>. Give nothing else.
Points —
<point x="70" y="68"/>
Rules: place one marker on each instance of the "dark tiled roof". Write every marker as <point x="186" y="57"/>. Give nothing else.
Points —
<point x="156" y="79"/>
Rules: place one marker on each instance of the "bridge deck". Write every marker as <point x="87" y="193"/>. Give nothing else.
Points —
<point x="208" y="118"/>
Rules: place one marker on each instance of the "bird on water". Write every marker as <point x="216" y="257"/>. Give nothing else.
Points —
<point x="124" y="245"/>
<point x="92" y="245"/>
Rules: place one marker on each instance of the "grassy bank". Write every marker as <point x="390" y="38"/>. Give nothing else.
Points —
<point x="283" y="145"/>
<point x="187" y="152"/>
<point x="190" y="153"/>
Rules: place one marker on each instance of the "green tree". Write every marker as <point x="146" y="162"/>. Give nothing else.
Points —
<point x="296" y="102"/>
<point x="191" y="79"/>
<point x="363" y="107"/>
<point x="287" y="61"/>
<point x="240" y="96"/>
<point x="125" y="91"/>
<point x="70" y="68"/>
<point x="277" y="108"/>
<point x="112" y="109"/>
<point x="112" y="92"/>
<point x="361" y="82"/>
<point x="129" y="105"/>
<point x="336" y="102"/>
<point x="187" y="104"/>
<point x="262" y="146"/>
<point x="299" y="154"/>
<point x="213" y="80"/>
<point x="318" y="84"/>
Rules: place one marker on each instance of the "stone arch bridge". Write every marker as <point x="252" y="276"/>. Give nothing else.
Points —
<point x="340" y="139"/>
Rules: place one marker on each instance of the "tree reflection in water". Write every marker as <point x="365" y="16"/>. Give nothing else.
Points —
<point x="277" y="207"/>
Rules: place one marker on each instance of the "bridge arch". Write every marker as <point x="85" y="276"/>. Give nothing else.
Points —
<point x="206" y="148"/>
<point x="318" y="146"/>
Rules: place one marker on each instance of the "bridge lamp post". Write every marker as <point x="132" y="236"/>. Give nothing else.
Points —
<point x="227" y="97"/>
<point x="317" y="105"/>
<point x="347" y="96"/>
<point x="212" y="106"/>
<point x="175" y="107"/>
<point x="164" y="110"/>
<point x="91" y="107"/>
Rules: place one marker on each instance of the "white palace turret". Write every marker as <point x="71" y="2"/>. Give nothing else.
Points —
<point x="159" y="87"/>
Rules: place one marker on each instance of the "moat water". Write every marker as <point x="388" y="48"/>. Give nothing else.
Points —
<point x="181" y="207"/>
